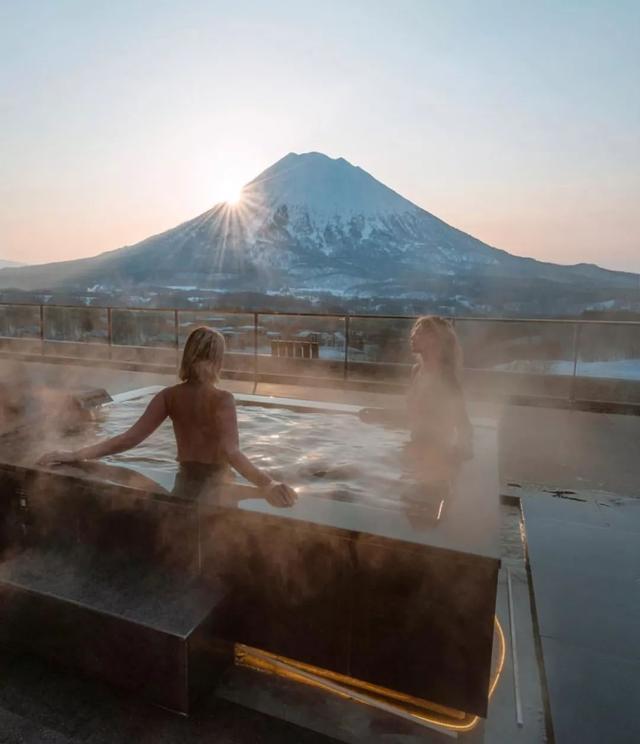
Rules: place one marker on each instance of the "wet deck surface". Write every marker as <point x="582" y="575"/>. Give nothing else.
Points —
<point x="584" y="558"/>
<point x="573" y="450"/>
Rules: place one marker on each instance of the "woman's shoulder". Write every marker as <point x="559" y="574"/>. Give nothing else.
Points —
<point x="224" y="396"/>
<point x="223" y="404"/>
<point x="168" y="396"/>
<point x="171" y="390"/>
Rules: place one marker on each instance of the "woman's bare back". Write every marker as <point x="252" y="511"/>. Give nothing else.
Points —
<point x="204" y="422"/>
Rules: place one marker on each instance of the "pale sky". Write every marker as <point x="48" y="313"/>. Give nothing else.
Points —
<point x="518" y="122"/>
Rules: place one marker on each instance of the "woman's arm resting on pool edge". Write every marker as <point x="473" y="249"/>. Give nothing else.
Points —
<point x="154" y="415"/>
<point x="281" y="494"/>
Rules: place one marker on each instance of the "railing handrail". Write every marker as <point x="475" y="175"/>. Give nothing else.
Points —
<point x="305" y="314"/>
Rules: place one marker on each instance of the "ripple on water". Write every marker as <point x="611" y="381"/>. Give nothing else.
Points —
<point x="333" y="455"/>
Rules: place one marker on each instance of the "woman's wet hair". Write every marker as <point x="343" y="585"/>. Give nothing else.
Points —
<point x="202" y="355"/>
<point x="451" y="351"/>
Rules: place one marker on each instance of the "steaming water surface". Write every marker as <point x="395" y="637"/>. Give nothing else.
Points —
<point x="327" y="454"/>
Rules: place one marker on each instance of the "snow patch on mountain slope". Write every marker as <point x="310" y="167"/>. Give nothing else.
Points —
<point x="334" y="187"/>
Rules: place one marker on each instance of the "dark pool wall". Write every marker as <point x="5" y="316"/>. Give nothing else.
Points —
<point x="120" y="522"/>
<point x="106" y="579"/>
<point x="414" y="618"/>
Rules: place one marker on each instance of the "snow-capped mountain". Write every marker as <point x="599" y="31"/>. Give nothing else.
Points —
<point x="9" y="264"/>
<point x="311" y="223"/>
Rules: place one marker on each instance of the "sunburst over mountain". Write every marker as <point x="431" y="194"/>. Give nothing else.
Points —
<point x="312" y="223"/>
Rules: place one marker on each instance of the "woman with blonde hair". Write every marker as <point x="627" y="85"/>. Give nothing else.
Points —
<point x="203" y="417"/>
<point x="436" y="413"/>
<point x="436" y="409"/>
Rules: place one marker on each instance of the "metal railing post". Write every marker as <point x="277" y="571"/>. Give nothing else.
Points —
<point x="109" y="332"/>
<point x="576" y="350"/>
<point x="176" y="335"/>
<point x="345" y="370"/>
<point x="255" y="352"/>
<point x="41" y="330"/>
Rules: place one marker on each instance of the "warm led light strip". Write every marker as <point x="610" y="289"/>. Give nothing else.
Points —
<point x="424" y="712"/>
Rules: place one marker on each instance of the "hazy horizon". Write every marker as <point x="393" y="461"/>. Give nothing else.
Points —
<point x="519" y="125"/>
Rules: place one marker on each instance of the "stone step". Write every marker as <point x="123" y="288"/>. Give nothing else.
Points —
<point x="134" y="626"/>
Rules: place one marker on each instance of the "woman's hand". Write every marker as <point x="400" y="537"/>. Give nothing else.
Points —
<point x="369" y="415"/>
<point x="280" y="494"/>
<point x="58" y="457"/>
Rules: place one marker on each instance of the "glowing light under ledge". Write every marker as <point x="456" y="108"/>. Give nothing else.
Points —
<point x="415" y="709"/>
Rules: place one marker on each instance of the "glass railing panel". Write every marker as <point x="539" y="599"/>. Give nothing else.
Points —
<point x="75" y="331"/>
<point x="20" y="328"/>
<point x="146" y="336"/>
<point x="378" y="350"/>
<point x="523" y="358"/>
<point x="301" y="349"/>
<point x="20" y="321"/>
<point x="608" y="364"/>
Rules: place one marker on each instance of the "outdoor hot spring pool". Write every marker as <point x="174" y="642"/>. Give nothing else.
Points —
<point x="330" y="454"/>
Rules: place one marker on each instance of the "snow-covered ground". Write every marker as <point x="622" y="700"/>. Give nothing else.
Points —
<point x="616" y="369"/>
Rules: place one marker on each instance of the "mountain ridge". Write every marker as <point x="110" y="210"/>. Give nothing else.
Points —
<point x="4" y="264"/>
